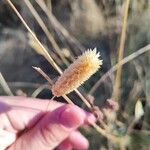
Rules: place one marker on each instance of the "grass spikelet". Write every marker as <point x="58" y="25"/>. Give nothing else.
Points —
<point x="77" y="73"/>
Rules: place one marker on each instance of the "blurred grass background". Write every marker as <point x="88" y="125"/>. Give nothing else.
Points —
<point x="74" y="26"/>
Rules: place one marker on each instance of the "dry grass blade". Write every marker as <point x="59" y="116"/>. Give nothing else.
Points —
<point x="40" y="71"/>
<point x="116" y="90"/>
<point x="59" y="28"/>
<point x="83" y="99"/>
<point x="5" y="85"/>
<point x="25" y="84"/>
<point x="49" y="4"/>
<point x="67" y="99"/>
<point x="46" y="31"/>
<point x="39" y="90"/>
<point x="43" y="50"/>
<point x="122" y="62"/>
<point x="105" y="134"/>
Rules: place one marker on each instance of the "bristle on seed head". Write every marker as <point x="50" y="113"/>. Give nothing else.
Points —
<point x="77" y="73"/>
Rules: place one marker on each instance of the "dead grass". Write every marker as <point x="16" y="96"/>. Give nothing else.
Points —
<point x="119" y="129"/>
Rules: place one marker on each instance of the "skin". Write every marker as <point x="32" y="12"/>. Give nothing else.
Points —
<point x="27" y="124"/>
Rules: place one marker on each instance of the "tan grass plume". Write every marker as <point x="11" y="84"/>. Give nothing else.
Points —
<point x="77" y="73"/>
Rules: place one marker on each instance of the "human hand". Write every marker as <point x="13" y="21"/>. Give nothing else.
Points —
<point x="26" y="125"/>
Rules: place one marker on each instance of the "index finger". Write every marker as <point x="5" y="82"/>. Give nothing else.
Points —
<point x="33" y="103"/>
<point x="23" y="110"/>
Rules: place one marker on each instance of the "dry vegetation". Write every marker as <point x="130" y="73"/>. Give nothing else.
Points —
<point x="51" y="34"/>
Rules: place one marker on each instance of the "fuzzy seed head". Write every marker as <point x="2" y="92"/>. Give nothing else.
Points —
<point x="77" y="73"/>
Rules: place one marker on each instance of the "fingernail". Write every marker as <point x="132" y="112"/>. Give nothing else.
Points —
<point x="72" y="117"/>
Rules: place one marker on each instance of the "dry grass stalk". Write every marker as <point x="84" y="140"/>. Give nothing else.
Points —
<point x="25" y="84"/>
<point x="106" y="134"/>
<point x="46" y="31"/>
<point x="40" y="71"/>
<point x="43" y="50"/>
<point x="49" y="4"/>
<point x="5" y="85"/>
<point x="114" y="68"/>
<point x="39" y="90"/>
<point x="116" y="92"/>
<point x="74" y="43"/>
<point x="37" y="48"/>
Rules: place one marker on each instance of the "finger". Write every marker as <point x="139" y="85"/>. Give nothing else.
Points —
<point x="17" y="119"/>
<point x="28" y="112"/>
<point x="6" y="138"/>
<point x="27" y="102"/>
<point x="52" y="129"/>
<point x="37" y="104"/>
<point x="75" y="141"/>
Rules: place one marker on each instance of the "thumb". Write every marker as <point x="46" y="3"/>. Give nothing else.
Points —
<point x="52" y="129"/>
